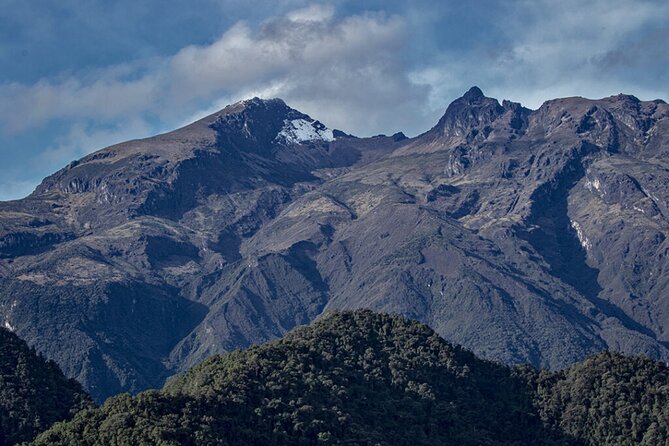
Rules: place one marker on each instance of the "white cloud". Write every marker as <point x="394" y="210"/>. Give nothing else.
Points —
<point x="312" y="13"/>
<point x="81" y="140"/>
<point x="352" y="72"/>
<point x="550" y="49"/>
<point x="560" y="46"/>
<point x="336" y="67"/>
<point x="23" y="107"/>
<point x="346" y="72"/>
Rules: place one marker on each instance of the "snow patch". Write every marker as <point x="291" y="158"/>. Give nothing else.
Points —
<point x="301" y="130"/>
<point x="651" y="196"/>
<point x="585" y="243"/>
<point x="594" y="184"/>
<point x="8" y="326"/>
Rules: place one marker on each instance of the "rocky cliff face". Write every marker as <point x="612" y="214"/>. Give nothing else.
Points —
<point x="527" y="236"/>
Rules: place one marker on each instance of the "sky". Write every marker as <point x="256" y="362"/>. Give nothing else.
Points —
<point x="80" y="75"/>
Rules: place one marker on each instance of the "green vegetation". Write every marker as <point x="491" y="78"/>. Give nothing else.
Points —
<point x="351" y="378"/>
<point x="360" y="378"/>
<point x="608" y="399"/>
<point x="33" y="392"/>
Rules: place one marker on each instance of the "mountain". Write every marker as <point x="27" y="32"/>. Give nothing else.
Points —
<point x="34" y="393"/>
<point x="370" y="379"/>
<point x="525" y="236"/>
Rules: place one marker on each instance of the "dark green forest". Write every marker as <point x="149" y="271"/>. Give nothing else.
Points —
<point x="33" y="392"/>
<point x="608" y="399"/>
<point x="351" y="378"/>
<point x="360" y="378"/>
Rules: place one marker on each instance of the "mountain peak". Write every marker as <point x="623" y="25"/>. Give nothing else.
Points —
<point x="473" y="94"/>
<point x="263" y="122"/>
<point x="471" y="110"/>
<point x="256" y="101"/>
<point x="254" y="105"/>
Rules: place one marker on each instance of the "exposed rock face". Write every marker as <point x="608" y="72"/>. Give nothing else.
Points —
<point x="527" y="236"/>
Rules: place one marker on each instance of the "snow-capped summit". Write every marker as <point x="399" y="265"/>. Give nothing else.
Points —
<point x="301" y="130"/>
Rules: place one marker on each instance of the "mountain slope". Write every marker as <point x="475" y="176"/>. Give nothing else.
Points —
<point x="34" y="394"/>
<point x="527" y="236"/>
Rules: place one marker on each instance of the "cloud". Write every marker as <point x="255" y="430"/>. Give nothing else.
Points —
<point x="337" y="68"/>
<point x="569" y="40"/>
<point x="554" y="49"/>
<point x="25" y="107"/>
<point x="81" y="140"/>
<point x="312" y="13"/>
<point x="357" y="71"/>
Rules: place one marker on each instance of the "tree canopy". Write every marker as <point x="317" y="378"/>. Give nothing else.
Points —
<point x="360" y="378"/>
<point x="34" y="393"/>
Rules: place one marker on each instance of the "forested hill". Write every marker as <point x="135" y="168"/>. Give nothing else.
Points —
<point x="361" y="378"/>
<point x="33" y="392"/>
<point x="608" y="399"/>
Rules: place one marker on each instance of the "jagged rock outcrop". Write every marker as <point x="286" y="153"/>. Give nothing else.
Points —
<point x="527" y="236"/>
